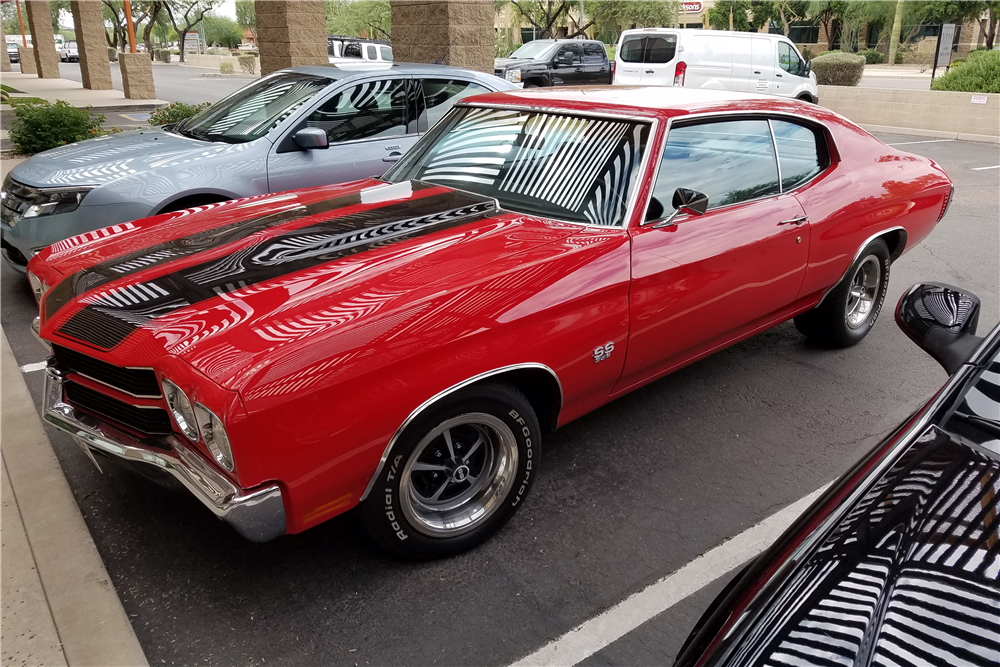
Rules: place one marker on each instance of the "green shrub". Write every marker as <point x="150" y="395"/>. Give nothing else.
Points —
<point x="226" y="67"/>
<point x="175" y="112"/>
<point x="872" y="57"/>
<point x="957" y="61"/>
<point x="900" y="56"/>
<point x="248" y="64"/>
<point x="112" y="54"/>
<point x="838" y="69"/>
<point x="826" y="53"/>
<point x="979" y="74"/>
<point x="163" y="55"/>
<point x="807" y="53"/>
<point x="39" y="126"/>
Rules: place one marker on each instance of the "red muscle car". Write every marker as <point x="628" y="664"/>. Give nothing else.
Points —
<point x="401" y="343"/>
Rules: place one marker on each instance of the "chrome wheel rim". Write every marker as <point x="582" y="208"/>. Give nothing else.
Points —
<point x="458" y="475"/>
<point x="863" y="291"/>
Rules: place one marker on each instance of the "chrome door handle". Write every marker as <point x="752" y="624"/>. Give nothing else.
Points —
<point x="392" y="157"/>
<point x="795" y="221"/>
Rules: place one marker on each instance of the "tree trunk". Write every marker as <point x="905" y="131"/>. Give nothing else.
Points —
<point x="991" y="32"/>
<point x="183" y="35"/>
<point x="897" y="26"/>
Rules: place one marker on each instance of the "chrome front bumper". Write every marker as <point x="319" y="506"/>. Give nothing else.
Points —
<point x="256" y="514"/>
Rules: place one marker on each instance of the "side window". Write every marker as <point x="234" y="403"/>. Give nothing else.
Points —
<point x="788" y="60"/>
<point x="730" y="161"/>
<point x="372" y="52"/>
<point x="352" y="50"/>
<point x="366" y="111"/>
<point x="593" y="54"/>
<point x="441" y="95"/>
<point x="799" y="154"/>
<point x="573" y="50"/>
<point x="386" y="53"/>
<point x="661" y="49"/>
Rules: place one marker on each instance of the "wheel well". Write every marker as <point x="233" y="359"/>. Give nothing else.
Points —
<point x="541" y="389"/>
<point x="806" y="97"/>
<point x="896" y="242"/>
<point x="191" y="201"/>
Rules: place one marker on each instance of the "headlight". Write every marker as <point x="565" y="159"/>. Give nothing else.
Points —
<point x="22" y="201"/>
<point x="214" y="433"/>
<point x="180" y="408"/>
<point x="513" y="75"/>
<point x="38" y="286"/>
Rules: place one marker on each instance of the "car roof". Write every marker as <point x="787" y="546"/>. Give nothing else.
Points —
<point x="632" y="32"/>
<point x="346" y="70"/>
<point x="646" y="101"/>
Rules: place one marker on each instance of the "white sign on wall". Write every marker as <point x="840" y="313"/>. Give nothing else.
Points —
<point x="692" y="7"/>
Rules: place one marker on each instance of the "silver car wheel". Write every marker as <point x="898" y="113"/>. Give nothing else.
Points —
<point x="458" y="475"/>
<point x="863" y="292"/>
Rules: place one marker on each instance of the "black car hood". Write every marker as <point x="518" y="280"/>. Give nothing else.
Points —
<point x="521" y="63"/>
<point x="909" y="576"/>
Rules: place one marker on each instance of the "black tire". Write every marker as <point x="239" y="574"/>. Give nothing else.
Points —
<point x="843" y="319"/>
<point x="415" y="516"/>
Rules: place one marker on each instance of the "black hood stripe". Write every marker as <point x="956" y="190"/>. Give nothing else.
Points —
<point x="112" y="315"/>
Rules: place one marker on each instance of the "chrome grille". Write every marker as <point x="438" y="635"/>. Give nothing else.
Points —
<point x="138" y="382"/>
<point x="147" y="421"/>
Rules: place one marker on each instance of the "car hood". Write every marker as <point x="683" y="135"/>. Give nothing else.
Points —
<point x="504" y="63"/>
<point x="107" y="159"/>
<point x="248" y="279"/>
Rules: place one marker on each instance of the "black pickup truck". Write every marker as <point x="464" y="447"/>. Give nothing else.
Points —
<point x="556" y="62"/>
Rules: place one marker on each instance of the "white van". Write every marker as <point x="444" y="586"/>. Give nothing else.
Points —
<point x="694" y="58"/>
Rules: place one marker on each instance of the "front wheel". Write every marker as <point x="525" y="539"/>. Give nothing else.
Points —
<point x="849" y="311"/>
<point x="456" y="475"/>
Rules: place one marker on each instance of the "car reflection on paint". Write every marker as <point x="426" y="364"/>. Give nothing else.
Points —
<point x="897" y="563"/>
<point x="401" y="343"/>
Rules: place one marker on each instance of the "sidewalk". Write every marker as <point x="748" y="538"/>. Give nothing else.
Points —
<point x="59" y="607"/>
<point x="102" y="101"/>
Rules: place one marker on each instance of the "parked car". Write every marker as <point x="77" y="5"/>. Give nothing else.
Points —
<point x="556" y="62"/>
<point x="68" y="52"/>
<point x="897" y="563"/>
<point x="400" y="343"/>
<point x="353" y="49"/>
<point x="741" y="61"/>
<point x="12" y="53"/>
<point x="295" y="128"/>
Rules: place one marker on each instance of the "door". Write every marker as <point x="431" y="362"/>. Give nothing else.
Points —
<point x="762" y="63"/>
<point x="742" y="65"/>
<point x="595" y="64"/>
<point x="704" y="280"/>
<point x="628" y="60"/>
<point x="788" y="74"/>
<point x="369" y="126"/>
<point x="658" y="60"/>
<point x="567" y="66"/>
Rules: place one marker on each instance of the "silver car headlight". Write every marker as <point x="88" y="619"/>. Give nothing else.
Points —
<point x="181" y="410"/>
<point x="21" y="202"/>
<point x="38" y="286"/>
<point x="512" y="75"/>
<point x="214" y="433"/>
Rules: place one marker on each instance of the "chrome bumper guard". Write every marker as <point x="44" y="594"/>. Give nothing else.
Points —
<point x="256" y="514"/>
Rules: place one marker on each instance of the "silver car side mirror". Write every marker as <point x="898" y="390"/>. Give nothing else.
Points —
<point x="309" y="138"/>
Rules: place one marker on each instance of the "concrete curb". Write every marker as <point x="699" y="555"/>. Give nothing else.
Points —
<point x="935" y="134"/>
<point x="68" y="582"/>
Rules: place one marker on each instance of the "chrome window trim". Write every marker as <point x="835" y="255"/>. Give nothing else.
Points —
<point x="437" y="397"/>
<point x="777" y="159"/>
<point x="857" y="255"/>
<point x="722" y="114"/>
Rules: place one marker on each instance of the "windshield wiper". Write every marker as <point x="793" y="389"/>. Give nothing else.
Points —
<point x="988" y="425"/>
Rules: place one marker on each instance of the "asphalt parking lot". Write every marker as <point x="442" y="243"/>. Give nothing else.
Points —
<point x="626" y="496"/>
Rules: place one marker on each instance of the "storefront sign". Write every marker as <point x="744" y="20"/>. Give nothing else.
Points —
<point x="692" y="7"/>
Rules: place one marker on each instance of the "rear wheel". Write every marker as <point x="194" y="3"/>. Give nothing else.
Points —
<point x="849" y="311"/>
<point x="456" y="475"/>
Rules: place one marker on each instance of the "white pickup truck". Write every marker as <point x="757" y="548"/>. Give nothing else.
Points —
<point x="68" y="52"/>
<point x="343" y="50"/>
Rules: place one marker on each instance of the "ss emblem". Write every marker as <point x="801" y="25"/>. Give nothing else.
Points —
<point x="602" y="352"/>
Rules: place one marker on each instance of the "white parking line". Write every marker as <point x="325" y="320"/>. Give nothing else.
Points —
<point x="31" y="368"/>
<point x="929" y="141"/>
<point x="996" y="166"/>
<point x="591" y="636"/>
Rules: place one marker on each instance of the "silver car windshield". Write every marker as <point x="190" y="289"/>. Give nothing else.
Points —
<point x="252" y="112"/>
<point x="575" y="168"/>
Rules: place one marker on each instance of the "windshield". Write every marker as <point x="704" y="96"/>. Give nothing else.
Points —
<point x="575" y="168"/>
<point x="534" y="50"/>
<point x="251" y="112"/>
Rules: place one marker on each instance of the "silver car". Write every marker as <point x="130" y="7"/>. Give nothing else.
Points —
<point x="295" y="128"/>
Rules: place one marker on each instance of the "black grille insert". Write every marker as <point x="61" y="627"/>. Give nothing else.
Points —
<point x="96" y="328"/>
<point x="148" y="421"/>
<point x="139" y="382"/>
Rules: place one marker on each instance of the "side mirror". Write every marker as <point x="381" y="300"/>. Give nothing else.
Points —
<point x="510" y="55"/>
<point x="309" y="138"/>
<point x="690" y="201"/>
<point x="942" y="321"/>
<point x="565" y="58"/>
<point x="809" y="68"/>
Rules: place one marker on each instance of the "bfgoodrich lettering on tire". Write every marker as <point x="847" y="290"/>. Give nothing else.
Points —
<point x="456" y="475"/>
<point x="849" y="311"/>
